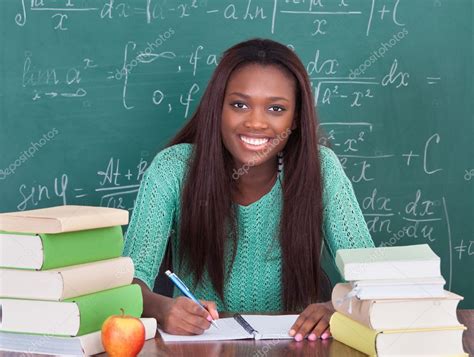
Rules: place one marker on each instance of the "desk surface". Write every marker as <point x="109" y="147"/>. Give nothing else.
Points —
<point x="263" y="348"/>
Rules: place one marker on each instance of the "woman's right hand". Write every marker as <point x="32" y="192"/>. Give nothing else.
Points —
<point x="182" y="316"/>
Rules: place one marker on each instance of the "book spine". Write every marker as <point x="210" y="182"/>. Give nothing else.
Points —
<point x="95" y="219"/>
<point x="108" y="274"/>
<point x="71" y="248"/>
<point x="353" y="334"/>
<point x="350" y="306"/>
<point x="95" y="308"/>
<point x="391" y="270"/>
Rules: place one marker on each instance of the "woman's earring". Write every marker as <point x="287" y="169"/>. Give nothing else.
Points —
<point x="280" y="161"/>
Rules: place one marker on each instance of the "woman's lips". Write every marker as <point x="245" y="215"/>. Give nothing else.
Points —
<point x="253" y="143"/>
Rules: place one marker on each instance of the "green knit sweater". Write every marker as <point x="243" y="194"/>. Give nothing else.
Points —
<point x="254" y="283"/>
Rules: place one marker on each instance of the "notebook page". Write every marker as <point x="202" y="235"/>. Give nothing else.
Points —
<point x="272" y="326"/>
<point x="229" y="329"/>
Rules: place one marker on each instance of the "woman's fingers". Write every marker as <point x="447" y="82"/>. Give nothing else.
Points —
<point x="212" y="308"/>
<point x="297" y="325"/>
<point x="319" y="329"/>
<point x="309" y="324"/>
<point x="326" y="334"/>
<point x="193" y="317"/>
<point x="181" y="325"/>
<point x="192" y="308"/>
<point x="313" y="322"/>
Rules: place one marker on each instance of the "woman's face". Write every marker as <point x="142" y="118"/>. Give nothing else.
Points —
<point x="257" y="113"/>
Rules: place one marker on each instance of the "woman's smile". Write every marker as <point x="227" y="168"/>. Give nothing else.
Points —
<point x="253" y="143"/>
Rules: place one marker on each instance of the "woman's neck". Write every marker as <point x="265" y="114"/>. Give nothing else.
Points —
<point x="256" y="182"/>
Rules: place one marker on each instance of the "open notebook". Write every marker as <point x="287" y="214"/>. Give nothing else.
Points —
<point x="241" y="327"/>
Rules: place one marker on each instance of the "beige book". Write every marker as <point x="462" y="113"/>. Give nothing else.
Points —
<point x="64" y="283"/>
<point x="383" y="314"/>
<point x="62" y="219"/>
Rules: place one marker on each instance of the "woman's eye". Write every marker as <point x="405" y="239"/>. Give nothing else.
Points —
<point x="239" y="105"/>
<point x="277" y="108"/>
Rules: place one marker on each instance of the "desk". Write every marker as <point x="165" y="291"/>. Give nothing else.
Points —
<point x="267" y="348"/>
<point x="264" y="348"/>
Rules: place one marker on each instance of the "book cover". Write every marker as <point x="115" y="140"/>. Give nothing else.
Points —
<point x="61" y="219"/>
<point x="384" y="314"/>
<point x="48" y="251"/>
<point x="445" y="340"/>
<point x="414" y="261"/>
<point x="66" y="282"/>
<point x="71" y="317"/>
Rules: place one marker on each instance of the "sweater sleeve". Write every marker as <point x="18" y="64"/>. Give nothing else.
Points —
<point x="343" y="222"/>
<point x="152" y="218"/>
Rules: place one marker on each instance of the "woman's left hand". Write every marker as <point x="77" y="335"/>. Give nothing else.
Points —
<point x="313" y="322"/>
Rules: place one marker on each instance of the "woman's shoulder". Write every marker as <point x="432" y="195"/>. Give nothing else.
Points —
<point x="331" y="168"/>
<point x="175" y="152"/>
<point x="328" y="158"/>
<point x="172" y="158"/>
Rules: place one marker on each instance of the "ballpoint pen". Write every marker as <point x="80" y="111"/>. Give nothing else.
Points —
<point x="185" y="290"/>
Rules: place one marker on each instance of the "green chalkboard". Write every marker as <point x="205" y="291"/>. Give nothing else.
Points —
<point x="91" y="90"/>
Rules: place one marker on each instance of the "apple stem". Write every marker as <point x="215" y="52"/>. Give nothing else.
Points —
<point x="123" y="312"/>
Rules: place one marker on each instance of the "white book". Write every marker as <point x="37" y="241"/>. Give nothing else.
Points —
<point x="262" y="327"/>
<point x="85" y="345"/>
<point x="405" y="262"/>
<point x="399" y="288"/>
<point x="397" y="313"/>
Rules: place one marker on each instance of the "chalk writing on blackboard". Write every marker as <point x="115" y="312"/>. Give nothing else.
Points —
<point x="154" y="10"/>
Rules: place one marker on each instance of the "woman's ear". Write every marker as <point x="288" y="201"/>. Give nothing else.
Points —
<point x="293" y="125"/>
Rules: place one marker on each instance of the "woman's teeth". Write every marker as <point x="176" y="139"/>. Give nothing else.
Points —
<point x="254" y="141"/>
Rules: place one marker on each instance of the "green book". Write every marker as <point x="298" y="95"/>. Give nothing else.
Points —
<point x="71" y="317"/>
<point x="44" y="251"/>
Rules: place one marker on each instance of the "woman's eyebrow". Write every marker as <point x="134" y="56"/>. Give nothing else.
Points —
<point x="247" y="96"/>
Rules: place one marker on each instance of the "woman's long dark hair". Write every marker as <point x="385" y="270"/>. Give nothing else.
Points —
<point x="208" y="220"/>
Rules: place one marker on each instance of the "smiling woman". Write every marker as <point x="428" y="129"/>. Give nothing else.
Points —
<point x="246" y="197"/>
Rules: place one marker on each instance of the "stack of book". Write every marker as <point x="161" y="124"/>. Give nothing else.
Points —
<point x="394" y="303"/>
<point x="62" y="276"/>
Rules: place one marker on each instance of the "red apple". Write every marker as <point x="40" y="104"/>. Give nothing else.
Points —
<point x="123" y="335"/>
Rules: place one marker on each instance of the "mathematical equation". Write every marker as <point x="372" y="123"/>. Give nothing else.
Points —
<point x="49" y="83"/>
<point x="418" y="215"/>
<point x="117" y="188"/>
<point x="54" y="83"/>
<point x="332" y="84"/>
<point x="271" y="13"/>
<point x="352" y="141"/>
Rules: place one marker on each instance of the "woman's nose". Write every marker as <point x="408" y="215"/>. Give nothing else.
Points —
<point x="256" y="120"/>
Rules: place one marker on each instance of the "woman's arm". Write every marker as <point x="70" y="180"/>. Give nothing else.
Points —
<point x="152" y="219"/>
<point x="344" y="227"/>
<point x="146" y="240"/>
